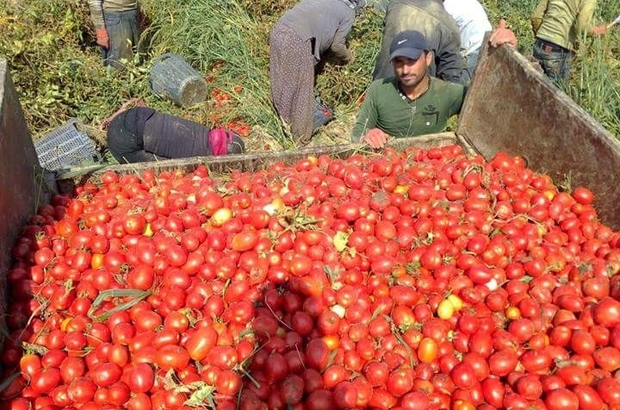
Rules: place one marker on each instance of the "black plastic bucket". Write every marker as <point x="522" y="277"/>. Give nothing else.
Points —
<point x="173" y="78"/>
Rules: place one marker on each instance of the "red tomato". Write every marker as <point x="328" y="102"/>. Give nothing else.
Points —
<point x="200" y="342"/>
<point x="228" y="382"/>
<point x="29" y="364"/>
<point x="105" y="374"/>
<point x="45" y="380"/>
<point x="561" y="399"/>
<point x="588" y="398"/>
<point x="244" y="241"/>
<point x="81" y="390"/>
<point x="292" y="389"/>
<point x="72" y="368"/>
<point x="172" y="357"/>
<point x="400" y="382"/>
<point x="583" y="195"/>
<point x="607" y="312"/>
<point x="502" y="362"/>
<point x="317" y="354"/>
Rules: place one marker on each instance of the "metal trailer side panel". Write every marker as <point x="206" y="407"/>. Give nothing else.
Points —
<point x="19" y="190"/>
<point x="255" y="161"/>
<point x="512" y="107"/>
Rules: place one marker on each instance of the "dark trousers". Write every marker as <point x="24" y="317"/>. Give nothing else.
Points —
<point x="124" y="32"/>
<point x="554" y="60"/>
<point x="126" y="142"/>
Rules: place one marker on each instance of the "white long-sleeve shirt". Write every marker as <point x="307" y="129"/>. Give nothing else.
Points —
<point x="472" y="20"/>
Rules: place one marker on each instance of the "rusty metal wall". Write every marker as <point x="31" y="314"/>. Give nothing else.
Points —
<point x="19" y="168"/>
<point x="512" y="107"/>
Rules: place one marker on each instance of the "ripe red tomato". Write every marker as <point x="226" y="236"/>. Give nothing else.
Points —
<point x="45" y="380"/>
<point x="607" y="312"/>
<point x="583" y="195"/>
<point x="561" y="399"/>
<point x="172" y="357"/>
<point x="228" y="382"/>
<point x="105" y="374"/>
<point x="29" y="364"/>
<point x="588" y="398"/>
<point x="200" y="342"/>
<point x="317" y="354"/>
<point x="502" y="362"/>
<point x="292" y="389"/>
<point x="400" y="382"/>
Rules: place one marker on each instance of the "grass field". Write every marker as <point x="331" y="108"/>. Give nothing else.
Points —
<point x="57" y="70"/>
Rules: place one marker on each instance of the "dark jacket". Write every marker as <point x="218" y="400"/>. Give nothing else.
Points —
<point x="442" y="34"/>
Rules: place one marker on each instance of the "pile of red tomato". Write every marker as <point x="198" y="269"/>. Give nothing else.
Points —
<point x="415" y="280"/>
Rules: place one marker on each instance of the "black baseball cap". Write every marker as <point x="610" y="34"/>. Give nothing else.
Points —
<point x="410" y="44"/>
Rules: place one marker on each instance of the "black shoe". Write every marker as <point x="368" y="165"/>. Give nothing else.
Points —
<point x="235" y="146"/>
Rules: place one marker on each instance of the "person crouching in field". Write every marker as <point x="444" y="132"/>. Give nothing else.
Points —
<point x="141" y="134"/>
<point x="296" y="44"/>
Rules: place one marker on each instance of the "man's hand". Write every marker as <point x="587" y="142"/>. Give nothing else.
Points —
<point x="502" y="35"/>
<point x="375" y="138"/>
<point x="102" y="38"/>
<point x="599" y="30"/>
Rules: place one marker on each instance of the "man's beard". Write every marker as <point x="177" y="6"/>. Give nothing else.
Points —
<point x="411" y="81"/>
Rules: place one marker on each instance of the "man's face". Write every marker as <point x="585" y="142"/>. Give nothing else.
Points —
<point x="411" y="72"/>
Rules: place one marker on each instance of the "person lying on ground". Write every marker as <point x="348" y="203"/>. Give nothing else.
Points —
<point x="141" y="134"/>
<point x="411" y="102"/>
<point x="557" y="25"/>
<point x="296" y="45"/>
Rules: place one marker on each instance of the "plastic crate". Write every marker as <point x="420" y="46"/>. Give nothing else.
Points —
<point x="66" y="146"/>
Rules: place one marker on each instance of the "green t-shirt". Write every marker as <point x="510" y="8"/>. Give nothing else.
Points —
<point x="386" y="108"/>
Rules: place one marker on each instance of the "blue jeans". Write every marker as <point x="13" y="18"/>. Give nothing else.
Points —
<point x="469" y="66"/>
<point x="124" y="31"/>
<point x="554" y="60"/>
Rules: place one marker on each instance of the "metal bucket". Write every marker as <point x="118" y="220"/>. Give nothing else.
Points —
<point x="173" y="78"/>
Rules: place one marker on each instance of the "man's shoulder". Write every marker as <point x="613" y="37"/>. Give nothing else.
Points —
<point x="441" y="85"/>
<point x="382" y="84"/>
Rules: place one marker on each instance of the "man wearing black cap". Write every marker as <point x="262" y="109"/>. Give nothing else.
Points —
<point x="409" y="103"/>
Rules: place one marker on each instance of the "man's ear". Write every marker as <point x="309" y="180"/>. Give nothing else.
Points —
<point x="429" y="58"/>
